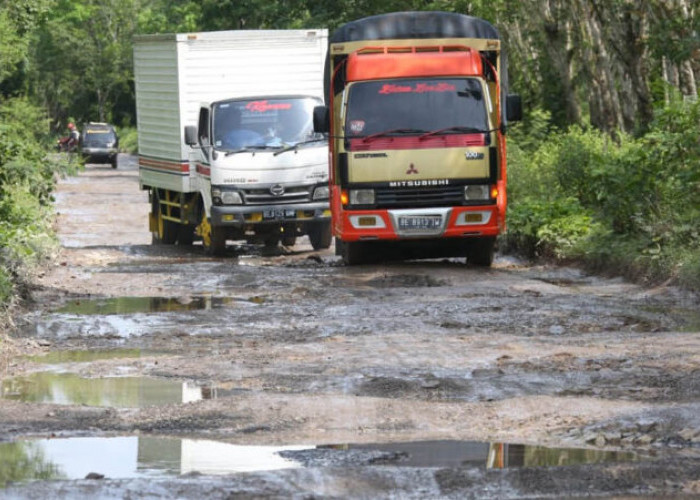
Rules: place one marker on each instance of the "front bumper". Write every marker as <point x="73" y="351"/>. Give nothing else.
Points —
<point x="99" y="154"/>
<point x="450" y="222"/>
<point x="244" y="215"/>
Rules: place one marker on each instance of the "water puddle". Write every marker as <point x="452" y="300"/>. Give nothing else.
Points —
<point x="492" y="455"/>
<point x="116" y="392"/>
<point x="686" y="320"/>
<point x="133" y="457"/>
<point x="133" y="305"/>
<point x="139" y="456"/>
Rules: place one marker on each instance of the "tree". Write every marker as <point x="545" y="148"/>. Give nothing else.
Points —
<point x="83" y="58"/>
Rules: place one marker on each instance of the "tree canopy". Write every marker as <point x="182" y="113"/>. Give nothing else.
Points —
<point x="604" y="63"/>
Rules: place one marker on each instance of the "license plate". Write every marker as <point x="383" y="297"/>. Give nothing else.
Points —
<point x="278" y="214"/>
<point x="419" y="222"/>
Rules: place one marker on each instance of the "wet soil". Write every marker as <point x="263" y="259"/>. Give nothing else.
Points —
<point x="272" y="349"/>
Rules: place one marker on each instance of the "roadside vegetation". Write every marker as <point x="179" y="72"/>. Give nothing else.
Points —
<point x="627" y="206"/>
<point x="603" y="171"/>
<point x="26" y="181"/>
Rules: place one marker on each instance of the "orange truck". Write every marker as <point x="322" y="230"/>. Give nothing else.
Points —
<point x="416" y="111"/>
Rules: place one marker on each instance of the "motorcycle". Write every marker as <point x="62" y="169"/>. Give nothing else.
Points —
<point x="66" y="145"/>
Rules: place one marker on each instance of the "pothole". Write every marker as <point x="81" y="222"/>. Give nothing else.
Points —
<point x="143" y="456"/>
<point x="133" y="305"/>
<point x="116" y="392"/>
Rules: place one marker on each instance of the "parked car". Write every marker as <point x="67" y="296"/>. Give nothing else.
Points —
<point x="99" y="143"/>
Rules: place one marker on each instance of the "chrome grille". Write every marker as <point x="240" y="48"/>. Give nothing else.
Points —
<point x="262" y="196"/>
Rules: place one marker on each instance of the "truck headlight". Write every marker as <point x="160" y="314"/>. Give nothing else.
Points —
<point x="362" y="196"/>
<point x="321" y="193"/>
<point x="220" y="197"/>
<point x="477" y="192"/>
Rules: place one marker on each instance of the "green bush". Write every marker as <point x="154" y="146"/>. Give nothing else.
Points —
<point x="630" y="206"/>
<point x="26" y="182"/>
<point x="555" y="229"/>
<point x="128" y="140"/>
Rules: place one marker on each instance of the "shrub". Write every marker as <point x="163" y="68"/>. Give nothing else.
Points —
<point x="128" y="140"/>
<point x="26" y="183"/>
<point x="631" y="206"/>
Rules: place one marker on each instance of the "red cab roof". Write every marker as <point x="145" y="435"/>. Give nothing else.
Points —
<point x="401" y="62"/>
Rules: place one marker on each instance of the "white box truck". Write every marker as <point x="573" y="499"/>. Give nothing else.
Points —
<point x="226" y="143"/>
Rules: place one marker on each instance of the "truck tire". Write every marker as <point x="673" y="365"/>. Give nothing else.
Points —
<point x="185" y="234"/>
<point x="320" y="235"/>
<point x="217" y="246"/>
<point x="480" y="253"/>
<point x="288" y="240"/>
<point x="166" y="230"/>
<point x="213" y="239"/>
<point x="271" y="240"/>
<point x="352" y="252"/>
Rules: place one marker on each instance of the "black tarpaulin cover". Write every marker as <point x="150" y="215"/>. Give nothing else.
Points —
<point x="399" y="25"/>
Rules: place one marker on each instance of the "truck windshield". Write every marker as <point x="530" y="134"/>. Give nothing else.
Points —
<point x="416" y="107"/>
<point x="263" y="123"/>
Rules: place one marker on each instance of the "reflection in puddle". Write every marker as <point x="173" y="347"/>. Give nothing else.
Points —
<point x="118" y="392"/>
<point x="130" y="457"/>
<point x="686" y="320"/>
<point x="139" y="456"/>
<point x="493" y="455"/>
<point x="132" y="305"/>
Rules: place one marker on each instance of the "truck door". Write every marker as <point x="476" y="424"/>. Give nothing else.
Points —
<point x="204" y="133"/>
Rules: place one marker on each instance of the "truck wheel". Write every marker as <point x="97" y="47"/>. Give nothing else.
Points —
<point x="288" y="240"/>
<point x="353" y="252"/>
<point x="288" y="235"/>
<point x="271" y="240"/>
<point x="165" y="231"/>
<point x="185" y="234"/>
<point x="213" y="239"/>
<point x="320" y="235"/>
<point x="114" y="162"/>
<point x="480" y="253"/>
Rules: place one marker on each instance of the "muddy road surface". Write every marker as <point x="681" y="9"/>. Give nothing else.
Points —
<point x="148" y="371"/>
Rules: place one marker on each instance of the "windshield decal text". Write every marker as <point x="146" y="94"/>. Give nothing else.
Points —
<point x="418" y="88"/>
<point x="264" y="106"/>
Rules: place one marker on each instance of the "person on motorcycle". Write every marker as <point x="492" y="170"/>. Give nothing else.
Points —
<point x="73" y="137"/>
<point x="70" y="143"/>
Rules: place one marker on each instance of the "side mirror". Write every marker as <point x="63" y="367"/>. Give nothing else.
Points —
<point x="191" y="135"/>
<point x="514" y="108"/>
<point x="321" y="119"/>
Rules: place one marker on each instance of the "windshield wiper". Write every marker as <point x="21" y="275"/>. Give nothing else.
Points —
<point x="249" y="149"/>
<point x="399" y="131"/>
<point x="294" y="147"/>
<point x="457" y="129"/>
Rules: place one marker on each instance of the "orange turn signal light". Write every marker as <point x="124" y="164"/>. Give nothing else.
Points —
<point x="494" y="192"/>
<point x="344" y="198"/>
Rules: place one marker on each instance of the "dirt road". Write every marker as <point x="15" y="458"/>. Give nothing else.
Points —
<point x="287" y="374"/>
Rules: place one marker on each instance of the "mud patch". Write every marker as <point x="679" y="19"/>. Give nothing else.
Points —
<point x="87" y="356"/>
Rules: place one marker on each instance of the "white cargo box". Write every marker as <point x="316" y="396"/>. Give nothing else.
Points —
<point x="175" y="73"/>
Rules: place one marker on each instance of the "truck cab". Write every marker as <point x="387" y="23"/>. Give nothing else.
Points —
<point x="262" y="171"/>
<point x="417" y="114"/>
